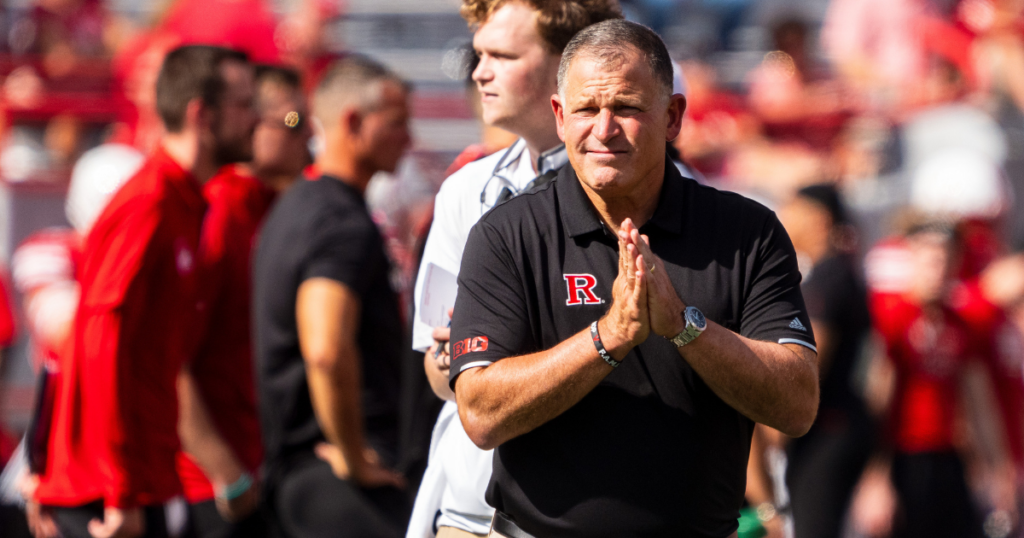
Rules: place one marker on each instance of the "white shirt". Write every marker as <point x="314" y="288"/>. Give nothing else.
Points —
<point x="457" y="471"/>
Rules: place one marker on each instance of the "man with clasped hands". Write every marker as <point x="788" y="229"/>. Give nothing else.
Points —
<point x="580" y="345"/>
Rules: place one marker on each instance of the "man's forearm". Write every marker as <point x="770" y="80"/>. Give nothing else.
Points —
<point x="773" y="384"/>
<point x="516" y="395"/>
<point x="335" y="391"/>
<point x="200" y="438"/>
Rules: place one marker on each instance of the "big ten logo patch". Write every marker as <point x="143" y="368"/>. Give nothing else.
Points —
<point x="469" y="345"/>
<point x="581" y="289"/>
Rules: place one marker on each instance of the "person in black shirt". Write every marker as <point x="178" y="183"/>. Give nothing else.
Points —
<point x="329" y="335"/>
<point x="579" y="348"/>
<point x="825" y="465"/>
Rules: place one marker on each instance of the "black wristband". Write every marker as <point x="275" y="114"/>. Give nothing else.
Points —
<point x="600" y="346"/>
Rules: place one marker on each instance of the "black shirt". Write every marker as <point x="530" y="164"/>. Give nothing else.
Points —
<point x="837" y="298"/>
<point x="651" y="451"/>
<point x="322" y="229"/>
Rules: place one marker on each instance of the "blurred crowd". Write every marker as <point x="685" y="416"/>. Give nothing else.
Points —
<point x="888" y="135"/>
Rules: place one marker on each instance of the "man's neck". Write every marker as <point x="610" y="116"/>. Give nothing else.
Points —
<point x="637" y="205"/>
<point x="347" y="169"/>
<point x="538" y="143"/>
<point x="185" y="149"/>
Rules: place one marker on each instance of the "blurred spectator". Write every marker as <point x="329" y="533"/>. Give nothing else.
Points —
<point x="327" y="323"/>
<point x="238" y="196"/>
<point x="933" y="357"/>
<point x="109" y="468"/>
<point x="825" y="465"/>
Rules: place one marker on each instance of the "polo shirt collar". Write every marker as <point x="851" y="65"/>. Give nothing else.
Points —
<point x="183" y="180"/>
<point x="579" y="216"/>
<point x="550" y="160"/>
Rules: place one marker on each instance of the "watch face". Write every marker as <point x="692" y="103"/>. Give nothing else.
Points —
<point x="696" y="317"/>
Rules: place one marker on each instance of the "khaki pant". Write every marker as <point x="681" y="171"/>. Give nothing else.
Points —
<point x="452" y="532"/>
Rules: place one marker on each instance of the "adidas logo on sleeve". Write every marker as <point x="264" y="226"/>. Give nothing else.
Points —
<point x="795" y="324"/>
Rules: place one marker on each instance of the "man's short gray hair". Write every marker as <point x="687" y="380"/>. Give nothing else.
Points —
<point x="354" y="81"/>
<point x="610" y="40"/>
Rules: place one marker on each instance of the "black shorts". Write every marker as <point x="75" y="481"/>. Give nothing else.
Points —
<point x="308" y="501"/>
<point x="74" y="522"/>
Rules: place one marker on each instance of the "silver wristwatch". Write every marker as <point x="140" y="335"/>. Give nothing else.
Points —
<point x="695" y="324"/>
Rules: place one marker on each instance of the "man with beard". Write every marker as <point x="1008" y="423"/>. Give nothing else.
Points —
<point x="112" y="448"/>
<point x="218" y="399"/>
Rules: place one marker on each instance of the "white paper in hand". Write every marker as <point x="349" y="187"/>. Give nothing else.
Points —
<point x="439" y="291"/>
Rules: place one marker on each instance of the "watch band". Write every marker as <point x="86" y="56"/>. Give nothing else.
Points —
<point x="600" y="347"/>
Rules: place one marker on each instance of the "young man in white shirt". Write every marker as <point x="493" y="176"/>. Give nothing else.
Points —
<point x="519" y="44"/>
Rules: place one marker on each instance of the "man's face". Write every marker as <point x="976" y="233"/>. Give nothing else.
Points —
<point x="516" y="74"/>
<point x="615" y="118"/>
<point x="281" y="140"/>
<point x="235" y="118"/>
<point x="384" y="131"/>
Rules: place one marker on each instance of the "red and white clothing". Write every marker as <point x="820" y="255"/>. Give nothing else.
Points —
<point x="222" y="366"/>
<point x="114" y="435"/>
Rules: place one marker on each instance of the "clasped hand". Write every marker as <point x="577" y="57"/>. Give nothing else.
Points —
<point x="643" y="299"/>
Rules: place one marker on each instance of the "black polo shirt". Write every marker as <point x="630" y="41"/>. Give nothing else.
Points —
<point x="322" y="229"/>
<point x="651" y="451"/>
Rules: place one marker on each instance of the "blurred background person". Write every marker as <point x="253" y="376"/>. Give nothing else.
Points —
<point x="826" y="464"/>
<point x="933" y="363"/>
<point x="223" y="500"/>
<point x="327" y="323"/>
<point x="106" y="462"/>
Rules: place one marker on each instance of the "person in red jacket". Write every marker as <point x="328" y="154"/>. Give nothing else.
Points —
<point x="114" y="439"/>
<point x="937" y="358"/>
<point x="238" y="196"/>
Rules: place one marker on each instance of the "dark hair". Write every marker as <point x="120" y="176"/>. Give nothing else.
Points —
<point x="610" y="39"/>
<point x="827" y="196"/>
<point x="557" y="20"/>
<point x="191" y="72"/>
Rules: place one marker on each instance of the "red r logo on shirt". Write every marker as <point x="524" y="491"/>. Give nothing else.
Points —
<point x="581" y="289"/>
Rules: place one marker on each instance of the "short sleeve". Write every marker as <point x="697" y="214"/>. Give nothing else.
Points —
<point x="491" y="314"/>
<point x="774" y="309"/>
<point x="342" y="250"/>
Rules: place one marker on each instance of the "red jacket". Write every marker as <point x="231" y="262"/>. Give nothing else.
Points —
<point x="114" y="434"/>
<point x="222" y="367"/>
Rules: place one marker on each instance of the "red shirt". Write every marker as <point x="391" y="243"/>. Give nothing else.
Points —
<point x="223" y="367"/>
<point x="114" y="435"/>
<point x="8" y="327"/>
<point x="928" y="354"/>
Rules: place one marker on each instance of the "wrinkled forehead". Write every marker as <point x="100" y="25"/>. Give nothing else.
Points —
<point x="611" y="73"/>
